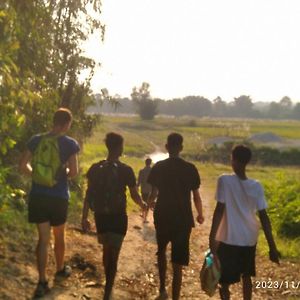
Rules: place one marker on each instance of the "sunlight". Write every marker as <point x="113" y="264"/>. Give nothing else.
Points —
<point x="209" y="48"/>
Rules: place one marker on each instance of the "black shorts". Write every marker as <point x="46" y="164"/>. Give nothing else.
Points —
<point x="111" y="223"/>
<point x="43" y="209"/>
<point x="180" y="240"/>
<point x="236" y="261"/>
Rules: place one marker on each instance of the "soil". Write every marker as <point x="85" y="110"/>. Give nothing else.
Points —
<point x="137" y="276"/>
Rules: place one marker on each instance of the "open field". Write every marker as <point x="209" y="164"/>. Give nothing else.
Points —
<point x="144" y="137"/>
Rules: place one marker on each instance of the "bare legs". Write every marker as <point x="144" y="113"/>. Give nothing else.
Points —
<point x="110" y="263"/>
<point x="177" y="274"/>
<point x="247" y="289"/>
<point x="44" y="230"/>
<point x="59" y="246"/>
<point x="42" y="249"/>
<point x="177" y="279"/>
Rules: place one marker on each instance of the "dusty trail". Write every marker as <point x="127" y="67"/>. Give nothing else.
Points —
<point x="137" y="274"/>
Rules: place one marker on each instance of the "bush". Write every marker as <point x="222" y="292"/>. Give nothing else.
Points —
<point x="283" y="195"/>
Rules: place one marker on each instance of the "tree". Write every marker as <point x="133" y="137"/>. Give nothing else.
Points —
<point x="243" y="106"/>
<point x="219" y="107"/>
<point x="40" y="63"/>
<point x="286" y="106"/>
<point x="147" y="107"/>
<point x="274" y="110"/>
<point x="296" y="111"/>
<point x="48" y="58"/>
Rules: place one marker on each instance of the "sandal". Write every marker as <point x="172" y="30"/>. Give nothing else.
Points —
<point x="41" y="290"/>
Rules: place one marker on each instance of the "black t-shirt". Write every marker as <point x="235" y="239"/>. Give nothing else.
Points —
<point x="175" y="179"/>
<point x="113" y="223"/>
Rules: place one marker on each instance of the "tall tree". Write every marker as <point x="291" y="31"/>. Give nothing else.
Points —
<point x="243" y="106"/>
<point x="147" y="107"/>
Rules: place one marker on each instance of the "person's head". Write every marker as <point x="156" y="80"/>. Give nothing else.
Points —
<point x="148" y="162"/>
<point x="240" y="156"/>
<point x="174" y="143"/>
<point x="62" y="119"/>
<point x="114" y="143"/>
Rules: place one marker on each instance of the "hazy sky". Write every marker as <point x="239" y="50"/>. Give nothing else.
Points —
<point x="210" y="48"/>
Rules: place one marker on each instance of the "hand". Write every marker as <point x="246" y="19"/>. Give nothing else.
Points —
<point x="86" y="225"/>
<point x="274" y="255"/>
<point x="200" y="219"/>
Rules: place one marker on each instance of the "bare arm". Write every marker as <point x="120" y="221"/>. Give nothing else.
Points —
<point x="85" y="212"/>
<point x="153" y="196"/>
<point x="24" y="164"/>
<point x="198" y="205"/>
<point x="217" y="217"/>
<point x="72" y="165"/>
<point x="136" y="196"/>
<point x="267" y="228"/>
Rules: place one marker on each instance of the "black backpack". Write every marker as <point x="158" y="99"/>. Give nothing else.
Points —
<point x="105" y="194"/>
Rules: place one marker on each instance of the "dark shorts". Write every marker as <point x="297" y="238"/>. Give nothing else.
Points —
<point x="235" y="262"/>
<point x="111" y="223"/>
<point x="43" y="209"/>
<point x="180" y="240"/>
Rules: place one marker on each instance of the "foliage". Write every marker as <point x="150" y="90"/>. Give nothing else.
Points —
<point x="146" y="107"/>
<point x="283" y="193"/>
<point x="240" y="107"/>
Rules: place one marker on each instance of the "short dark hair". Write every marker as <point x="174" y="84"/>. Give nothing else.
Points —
<point x="174" y="140"/>
<point x="148" y="161"/>
<point x="62" y="117"/>
<point x="113" y="141"/>
<point x="241" y="153"/>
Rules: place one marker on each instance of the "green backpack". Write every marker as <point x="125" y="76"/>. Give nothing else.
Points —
<point x="46" y="163"/>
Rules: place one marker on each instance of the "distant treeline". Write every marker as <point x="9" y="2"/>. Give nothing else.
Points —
<point x="198" y="106"/>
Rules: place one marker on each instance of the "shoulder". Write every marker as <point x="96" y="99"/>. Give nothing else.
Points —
<point x="189" y="165"/>
<point x="69" y="142"/>
<point x="255" y="184"/>
<point x="226" y="178"/>
<point x="124" y="167"/>
<point x="93" y="169"/>
<point x="34" y="141"/>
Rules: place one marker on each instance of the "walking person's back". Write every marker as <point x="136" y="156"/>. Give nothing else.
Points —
<point x="50" y="159"/>
<point x="173" y="180"/>
<point x="146" y="188"/>
<point x="106" y="194"/>
<point x="234" y="230"/>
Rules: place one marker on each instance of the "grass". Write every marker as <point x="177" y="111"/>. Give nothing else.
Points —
<point x="143" y="137"/>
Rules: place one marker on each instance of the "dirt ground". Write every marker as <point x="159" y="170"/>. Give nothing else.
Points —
<point x="137" y="276"/>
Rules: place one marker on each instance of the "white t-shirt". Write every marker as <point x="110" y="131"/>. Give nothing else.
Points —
<point x="239" y="225"/>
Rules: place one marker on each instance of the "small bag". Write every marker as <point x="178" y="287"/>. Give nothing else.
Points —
<point x="209" y="274"/>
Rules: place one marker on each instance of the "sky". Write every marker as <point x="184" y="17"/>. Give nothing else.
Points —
<point x="207" y="48"/>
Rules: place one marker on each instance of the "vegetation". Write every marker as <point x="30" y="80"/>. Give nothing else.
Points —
<point x="40" y="63"/>
<point x="198" y="106"/>
<point x="146" y="107"/>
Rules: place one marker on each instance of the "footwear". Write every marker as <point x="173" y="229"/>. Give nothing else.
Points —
<point x="64" y="273"/>
<point x="41" y="290"/>
<point x="162" y="295"/>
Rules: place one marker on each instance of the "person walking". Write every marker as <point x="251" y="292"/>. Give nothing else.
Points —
<point x="173" y="180"/>
<point x="146" y="188"/>
<point x="50" y="159"/>
<point x="234" y="231"/>
<point x="106" y="195"/>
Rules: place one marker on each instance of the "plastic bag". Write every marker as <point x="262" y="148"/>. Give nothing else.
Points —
<point x="209" y="274"/>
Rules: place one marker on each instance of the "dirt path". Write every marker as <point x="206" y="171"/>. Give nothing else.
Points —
<point x="137" y="275"/>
